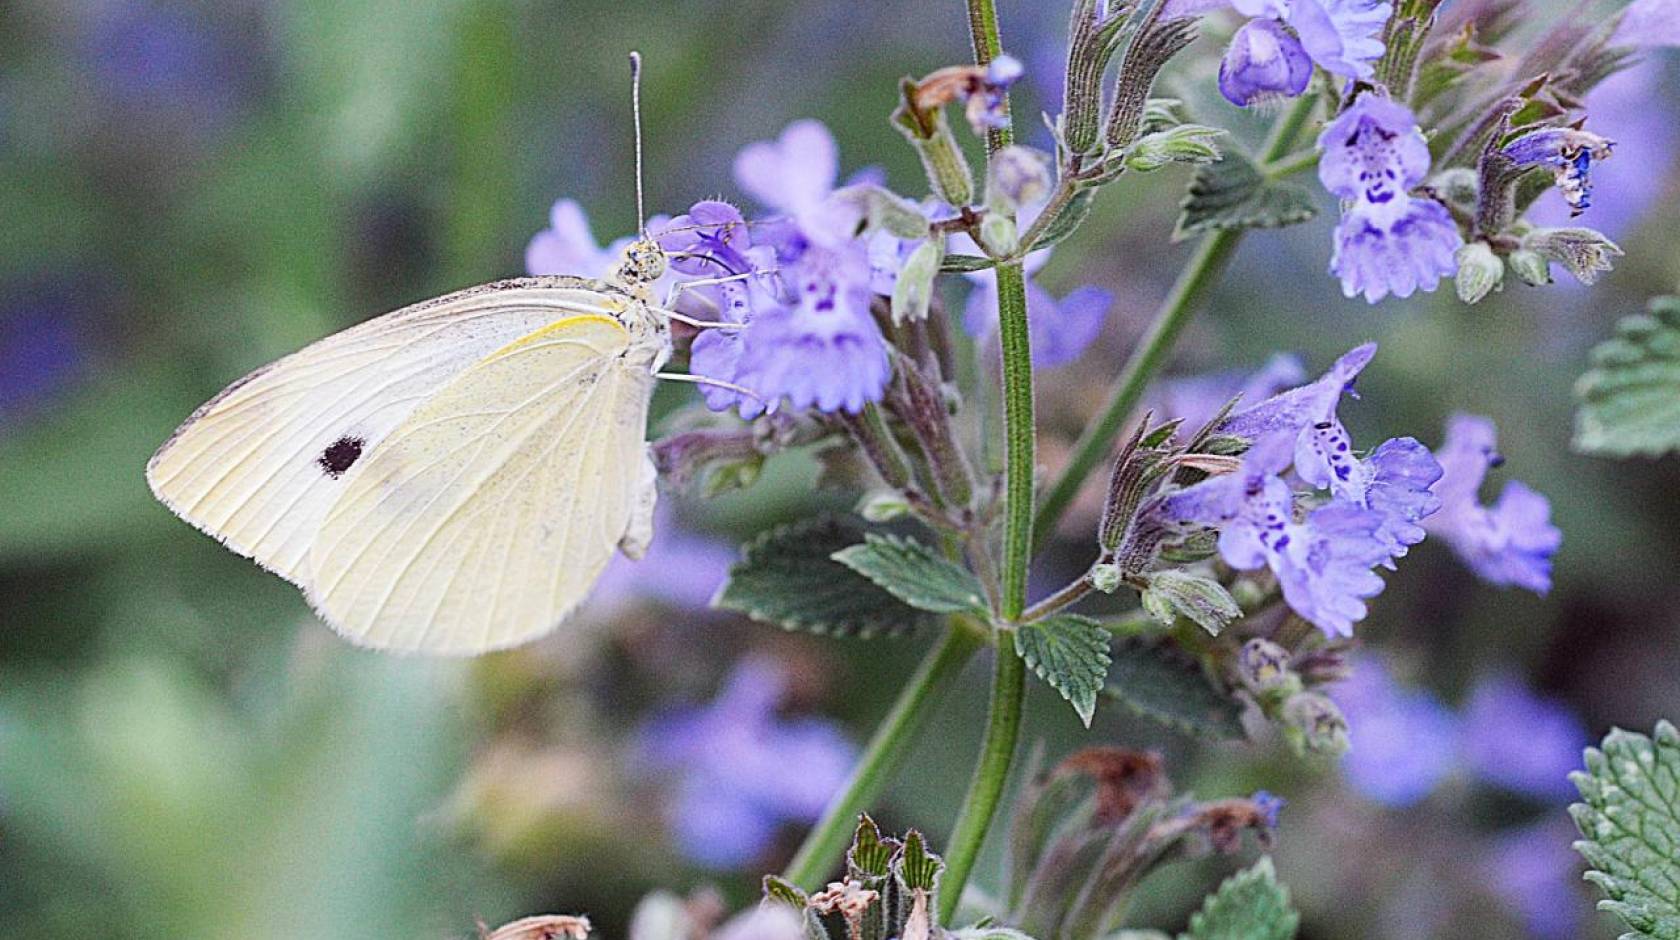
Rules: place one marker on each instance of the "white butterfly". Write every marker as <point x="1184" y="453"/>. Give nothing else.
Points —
<point x="449" y="478"/>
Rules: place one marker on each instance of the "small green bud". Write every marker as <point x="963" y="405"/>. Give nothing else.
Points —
<point x="1186" y="143"/>
<point x="1314" y="723"/>
<point x="1530" y="266"/>
<point x="913" y="291"/>
<point x="1480" y="272"/>
<point x="1264" y="669"/>
<point x="883" y="506"/>
<point x="1105" y="578"/>
<point x="998" y="234"/>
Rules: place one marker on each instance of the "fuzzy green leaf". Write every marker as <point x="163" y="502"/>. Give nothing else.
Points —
<point x="1630" y="818"/>
<point x="788" y="577"/>
<point x="1200" y="599"/>
<point x="1249" y="905"/>
<point x="1630" y="398"/>
<point x="1232" y="194"/>
<point x="1071" y="653"/>
<point x="1158" y="682"/>
<point x="915" y="574"/>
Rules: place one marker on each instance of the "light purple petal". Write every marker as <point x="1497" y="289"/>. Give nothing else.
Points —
<point x="1403" y="742"/>
<point x="1414" y="252"/>
<point x="1342" y="36"/>
<point x="1521" y="741"/>
<point x="1508" y="544"/>
<point x="1263" y="62"/>
<point x="1061" y="330"/>
<point x="792" y="173"/>
<point x="1293" y="411"/>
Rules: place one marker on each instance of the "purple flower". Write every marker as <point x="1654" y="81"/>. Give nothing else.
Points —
<point x="793" y="173"/>
<point x="42" y="336"/>
<point x="1536" y="873"/>
<point x="1263" y="61"/>
<point x="1631" y="102"/>
<point x="743" y="771"/>
<point x="1059" y="330"/>
<point x="1196" y="399"/>
<point x="1297" y="410"/>
<point x="1509" y="543"/>
<point x="1570" y="153"/>
<point x="1520" y="741"/>
<point x="1388" y="241"/>
<point x="1648" y="24"/>
<point x="1270" y="806"/>
<point x="1343" y="36"/>
<point x="681" y="568"/>
<point x="568" y="246"/>
<point x="985" y="100"/>
<point x="1403" y="741"/>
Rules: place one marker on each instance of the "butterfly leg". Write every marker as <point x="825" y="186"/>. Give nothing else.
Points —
<point x="639" y="533"/>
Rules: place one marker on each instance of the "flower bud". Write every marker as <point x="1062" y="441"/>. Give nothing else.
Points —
<point x="1314" y="723"/>
<point x="883" y="506"/>
<point x="1264" y="669"/>
<point x="998" y="234"/>
<point x="1018" y="176"/>
<point x="913" y="290"/>
<point x="1186" y="143"/>
<point x="1480" y="271"/>
<point x="1529" y="265"/>
<point x="1264" y="62"/>
<point x="1105" y="578"/>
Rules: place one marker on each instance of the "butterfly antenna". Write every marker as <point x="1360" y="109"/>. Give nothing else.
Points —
<point x="636" y="116"/>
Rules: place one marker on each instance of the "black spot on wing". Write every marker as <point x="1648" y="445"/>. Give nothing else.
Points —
<point x="339" y="455"/>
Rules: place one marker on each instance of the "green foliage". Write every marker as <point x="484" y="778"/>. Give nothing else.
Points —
<point x="915" y="574"/>
<point x="1162" y="684"/>
<point x="1172" y="594"/>
<point x="788" y="577"/>
<point x="1630" y="398"/>
<point x="1250" y="905"/>
<point x="1234" y="194"/>
<point x="1630" y="818"/>
<point x="1071" y="653"/>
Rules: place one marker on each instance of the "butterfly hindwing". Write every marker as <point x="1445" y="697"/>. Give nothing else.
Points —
<point x="261" y="463"/>
<point x="488" y="513"/>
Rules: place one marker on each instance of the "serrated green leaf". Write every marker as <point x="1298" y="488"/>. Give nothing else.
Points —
<point x="1630" y="398"/>
<point x="1249" y="905"/>
<point x="1071" y="653"/>
<point x="1200" y="599"/>
<point x="1158" y="682"/>
<point x="1232" y="194"/>
<point x="788" y="577"/>
<point x="1630" y="819"/>
<point x="915" y="574"/>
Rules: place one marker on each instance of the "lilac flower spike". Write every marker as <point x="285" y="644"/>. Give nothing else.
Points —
<point x="1388" y="241"/>
<point x="1570" y="153"/>
<point x="741" y="770"/>
<point x="1510" y="543"/>
<point x="1263" y="61"/>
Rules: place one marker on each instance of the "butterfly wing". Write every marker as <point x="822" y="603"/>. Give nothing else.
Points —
<point x="487" y="516"/>
<point x="261" y="463"/>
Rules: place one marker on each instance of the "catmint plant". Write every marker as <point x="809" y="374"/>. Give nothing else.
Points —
<point x="1245" y="527"/>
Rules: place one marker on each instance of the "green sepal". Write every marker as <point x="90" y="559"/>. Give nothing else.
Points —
<point x="1200" y="599"/>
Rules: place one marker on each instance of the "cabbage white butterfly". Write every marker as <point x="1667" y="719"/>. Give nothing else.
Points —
<point x="452" y="477"/>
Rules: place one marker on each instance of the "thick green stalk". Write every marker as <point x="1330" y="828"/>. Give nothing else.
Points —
<point x="1003" y="717"/>
<point x="997" y="753"/>
<point x="827" y="841"/>
<point x="1175" y="312"/>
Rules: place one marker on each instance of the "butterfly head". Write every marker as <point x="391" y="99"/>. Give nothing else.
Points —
<point x="642" y="263"/>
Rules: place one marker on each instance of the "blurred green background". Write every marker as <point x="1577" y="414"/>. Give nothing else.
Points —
<point x="190" y="190"/>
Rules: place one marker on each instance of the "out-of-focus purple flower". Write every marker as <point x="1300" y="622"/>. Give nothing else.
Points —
<point x="1059" y="330"/>
<point x="1388" y="241"/>
<point x="1570" y="153"/>
<point x="681" y="568"/>
<point x="1196" y="399"/>
<point x="1649" y="23"/>
<point x="743" y="771"/>
<point x="161" y="60"/>
<point x="1521" y="741"/>
<point x="568" y="246"/>
<point x="1263" y="61"/>
<point x="1536" y="873"/>
<point x="1509" y="543"/>
<point x="793" y="173"/>
<point x="41" y="349"/>
<point x="1270" y="806"/>
<point x="1403" y="742"/>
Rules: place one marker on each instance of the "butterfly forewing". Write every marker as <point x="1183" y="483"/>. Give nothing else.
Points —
<point x="488" y="513"/>
<point x="261" y="463"/>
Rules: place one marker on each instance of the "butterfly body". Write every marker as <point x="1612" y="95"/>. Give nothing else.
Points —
<point x="448" y="478"/>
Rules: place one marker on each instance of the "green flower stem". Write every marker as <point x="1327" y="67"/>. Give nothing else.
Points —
<point x="997" y="752"/>
<point x="1193" y="282"/>
<point x="1020" y="437"/>
<point x="827" y="841"/>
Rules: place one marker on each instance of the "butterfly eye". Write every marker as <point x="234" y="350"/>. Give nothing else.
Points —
<point x="644" y="261"/>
